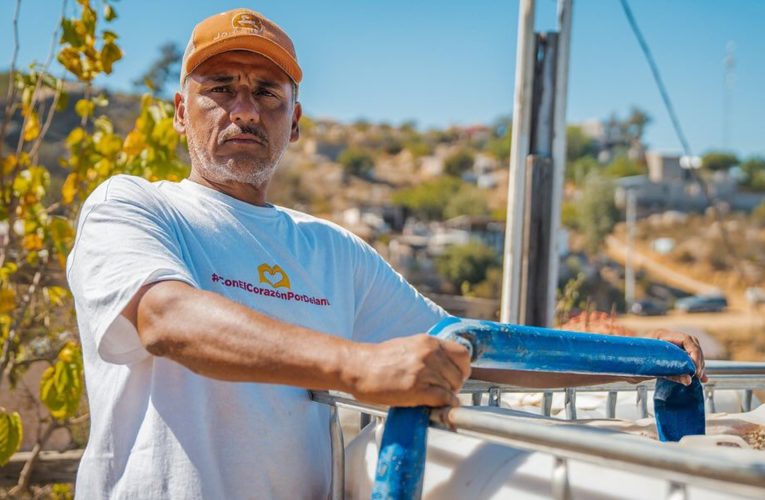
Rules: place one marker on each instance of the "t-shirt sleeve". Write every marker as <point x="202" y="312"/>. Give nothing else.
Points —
<point x="125" y="240"/>
<point x="387" y="306"/>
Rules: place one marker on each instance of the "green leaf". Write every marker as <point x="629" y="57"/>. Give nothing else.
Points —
<point x="11" y="433"/>
<point x="61" y="385"/>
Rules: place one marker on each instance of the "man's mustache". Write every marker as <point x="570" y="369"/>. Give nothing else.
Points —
<point x="242" y="129"/>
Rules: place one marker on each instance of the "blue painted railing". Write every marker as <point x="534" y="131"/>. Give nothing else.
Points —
<point x="679" y="409"/>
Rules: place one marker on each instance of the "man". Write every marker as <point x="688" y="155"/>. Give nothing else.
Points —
<point x="205" y="312"/>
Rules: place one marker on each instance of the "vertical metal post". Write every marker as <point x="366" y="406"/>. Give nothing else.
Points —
<point x="338" y="455"/>
<point x="629" y="269"/>
<point x="611" y="404"/>
<point x="477" y="396"/>
<point x="570" y="403"/>
<point x="709" y="398"/>
<point x="524" y="75"/>
<point x="642" y="400"/>
<point x="364" y="419"/>
<point x="561" y="489"/>
<point x="676" y="491"/>
<point x="565" y="13"/>
<point x="495" y="396"/>
<point x="547" y="400"/>
<point x="746" y="404"/>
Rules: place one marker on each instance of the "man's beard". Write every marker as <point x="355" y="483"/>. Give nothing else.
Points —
<point x="241" y="169"/>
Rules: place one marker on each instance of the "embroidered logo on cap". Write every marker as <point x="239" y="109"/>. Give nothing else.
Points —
<point x="247" y="21"/>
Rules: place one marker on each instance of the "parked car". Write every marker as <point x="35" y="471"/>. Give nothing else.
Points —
<point x="648" y="308"/>
<point x="702" y="303"/>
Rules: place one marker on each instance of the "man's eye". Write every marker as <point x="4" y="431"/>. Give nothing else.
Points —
<point x="264" y="93"/>
<point x="220" y="89"/>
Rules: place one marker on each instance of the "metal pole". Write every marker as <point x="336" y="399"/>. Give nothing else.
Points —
<point x="565" y="11"/>
<point x="524" y="74"/>
<point x="338" y="455"/>
<point x="629" y="268"/>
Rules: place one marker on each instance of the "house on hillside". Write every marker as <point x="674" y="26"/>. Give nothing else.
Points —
<point x="669" y="186"/>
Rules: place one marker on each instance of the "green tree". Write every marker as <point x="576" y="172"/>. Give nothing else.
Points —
<point x="428" y="200"/>
<point x="718" y="160"/>
<point x="465" y="264"/>
<point x="500" y="143"/>
<point x="622" y="166"/>
<point x="578" y="144"/>
<point x="356" y="161"/>
<point x="577" y="170"/>
<point x="458" y="163"/>
<point x="634" y="126"/>
<point x="596" y="211"/>
<point x="165" y="69"/>
<point x="468" y="200"/>
<point x="754" y="168"/>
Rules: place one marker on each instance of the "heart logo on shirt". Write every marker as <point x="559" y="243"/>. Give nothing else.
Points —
<point x="274" y="276"/>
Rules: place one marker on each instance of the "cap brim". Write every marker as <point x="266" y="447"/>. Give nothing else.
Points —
<point x="250" y="43"/>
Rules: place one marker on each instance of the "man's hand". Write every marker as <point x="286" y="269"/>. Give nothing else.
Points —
<point x="409" y="371"/>
<point x="688" y="343"/>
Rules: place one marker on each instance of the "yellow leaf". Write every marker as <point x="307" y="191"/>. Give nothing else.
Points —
<point x="70" y="59"/>
<point x="32" y="127"/>
<point x="9" y="163"/>
<point x="110" y="53"/>
<point x="11" y="433"/>
<point x="69" y="189"/>
<point x="7" y="300"/>
<point x="75" y="137"/>
<point x="57" y="294"/>
<point x="84" y="108"/>
<point x="164" y="133"/>
<point x="134" y="143"/>
<point x="32" y="242"/>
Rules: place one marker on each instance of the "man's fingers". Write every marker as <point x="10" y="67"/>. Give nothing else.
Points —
<point x="693" y="348"/>
<point x="436" y="396"/>
<point x="681" y="379"/>
<point x="446" y="377"/>
<point x="459" y="355"/>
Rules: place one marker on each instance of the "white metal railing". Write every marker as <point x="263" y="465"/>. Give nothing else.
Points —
<point x="565" y="440"/>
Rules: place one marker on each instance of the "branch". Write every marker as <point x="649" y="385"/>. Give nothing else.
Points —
<point x="11" y="96"/>
<point x="6" y="359"/>
<point x="34" y="152"/>
<point x="26" y="472"/>
<point x="38" y="85"/>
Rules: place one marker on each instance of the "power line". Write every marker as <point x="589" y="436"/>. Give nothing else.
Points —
<point x="683" y="141"/>
<point x="657" y="77"/>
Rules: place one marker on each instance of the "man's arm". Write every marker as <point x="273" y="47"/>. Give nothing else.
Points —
<point x="219" y="338"/>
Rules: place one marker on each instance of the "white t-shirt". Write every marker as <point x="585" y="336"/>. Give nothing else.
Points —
<point x="157" y="429"/>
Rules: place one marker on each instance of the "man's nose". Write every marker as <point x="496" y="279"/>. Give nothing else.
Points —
<point x="244" y="109"/>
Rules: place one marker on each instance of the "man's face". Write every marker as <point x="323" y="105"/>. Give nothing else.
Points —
<point x="238" y="114"/>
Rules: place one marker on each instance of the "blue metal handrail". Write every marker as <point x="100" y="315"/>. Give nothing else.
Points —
<point x="679" y="409"/>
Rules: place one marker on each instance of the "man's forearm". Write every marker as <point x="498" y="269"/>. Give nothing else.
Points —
<point x="219" y="338"/>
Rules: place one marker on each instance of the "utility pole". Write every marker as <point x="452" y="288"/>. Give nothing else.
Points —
<point x="629" y="268"/>
<point x="537" y="165"/>
<point x="730" y="80"/>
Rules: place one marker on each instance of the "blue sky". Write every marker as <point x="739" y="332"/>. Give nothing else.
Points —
<point x="444" y="62"/>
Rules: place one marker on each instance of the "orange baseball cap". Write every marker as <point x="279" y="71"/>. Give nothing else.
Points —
<point x="240" y="29"/>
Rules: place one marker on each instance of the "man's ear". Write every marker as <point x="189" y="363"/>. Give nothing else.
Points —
<point x="179" y="119"/>
<point x="296" y="114"/>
